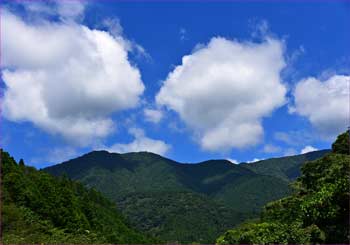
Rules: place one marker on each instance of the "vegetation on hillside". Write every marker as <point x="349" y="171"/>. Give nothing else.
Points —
<point x="184" y="217"/>
<point x="181" y="202"/>
<point x="40" y="208"/>
<point x="287" y="168"/>
<point x="171" y="201"/>
<point x="317" y="212"/>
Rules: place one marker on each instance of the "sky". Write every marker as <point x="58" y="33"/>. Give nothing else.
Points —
<point x="190" y="81"/>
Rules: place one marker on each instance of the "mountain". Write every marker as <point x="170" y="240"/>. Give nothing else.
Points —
<point x="184" y="217"/>
<point x="179" y="202"/>
<point x="287" y="168"/>
<point x="316" y="213"/>
<point x="40" y="208"/>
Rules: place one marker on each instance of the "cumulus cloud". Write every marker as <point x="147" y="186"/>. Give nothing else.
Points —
<point x="224" y="89"/>
<point x="65" y="78"/>
<point x="152" y="115"/>
<point x="307" y="149"/>
<point x="141" y="143"/>
<point x="324" y="103"/>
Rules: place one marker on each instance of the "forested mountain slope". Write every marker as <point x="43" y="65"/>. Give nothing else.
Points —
<point x="317" y="211"/>
<point x="151" y="190"/>
<point x="40" y="208"/>
<point x="184" y="217"/>
<point x="287" y="168"/>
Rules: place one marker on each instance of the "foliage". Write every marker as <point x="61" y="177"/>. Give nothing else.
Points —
<point x="39" y="208"/>
<point x="250" y="193"/>
<point x="286" y="168"/>
<point x="179" y="216"/>
<point x="181" y="202"/>
<point x="318" y="211"/>
<point x="341" y="145"/>
<point x="271" y="232"/>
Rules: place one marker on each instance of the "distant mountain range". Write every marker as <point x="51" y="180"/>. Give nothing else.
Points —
<point x="184" y="203"/>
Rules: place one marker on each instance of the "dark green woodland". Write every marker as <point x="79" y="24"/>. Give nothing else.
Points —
<point x="40" y="208"/>
<point x="316" y="212"/>
<point x="104" y="197"/>
<point x="184" y="203"/>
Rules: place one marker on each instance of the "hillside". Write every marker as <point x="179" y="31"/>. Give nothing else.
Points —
<point x="179" y="216"/>
<point x="287" y="168"/>
<point x="317" y="211"/>
<point x="150" y="190"/>
<point x="39" y="208"/>
<point x="153" y="192"/>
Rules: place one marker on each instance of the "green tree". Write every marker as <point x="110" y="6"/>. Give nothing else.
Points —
<point x="341" y="145"/>
<point x="21" y="163"/>
<point x="40" y="208"/>
<point x="317" y="212"/>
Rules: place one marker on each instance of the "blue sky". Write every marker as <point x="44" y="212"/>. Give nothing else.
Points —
<point x="260" y="79"/>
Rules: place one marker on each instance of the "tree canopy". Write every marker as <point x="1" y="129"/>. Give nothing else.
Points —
<point x="40" y="208"/>
<point x="317" y="211"/>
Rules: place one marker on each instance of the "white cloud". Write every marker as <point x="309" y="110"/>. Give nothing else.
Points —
<point x="65" y="78"/>
<point x="64" y="10"/>
<point x="152" y="115"/>
<point x="254" y="160"/>
<point x="268" y="148"/>
<point x="55" y="155"/>
<point x="37" y="7"/>
<point x="234" y="161"/>
<point x="259" y="27"/>
<point x="307" y="149"/>
<point x="141" y="143"/>
<point x="224" y="89"/>
<point x="71" y="10"/>
<point x="324" y="103"/>
<point x="114" y="27"/>
<point x="58" y="155"/>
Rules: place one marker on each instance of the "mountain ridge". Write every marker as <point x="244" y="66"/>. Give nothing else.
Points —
<point x="291" y="172"/>
<point x="188" y="163"/>
<point x="149" y="189"/>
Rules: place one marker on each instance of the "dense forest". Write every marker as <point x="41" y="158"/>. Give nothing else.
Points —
<point x="184" y="202"/>
<point x="146" y="198"/>
<point x="40" y="208"/>
<point x="317" y="211"/>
